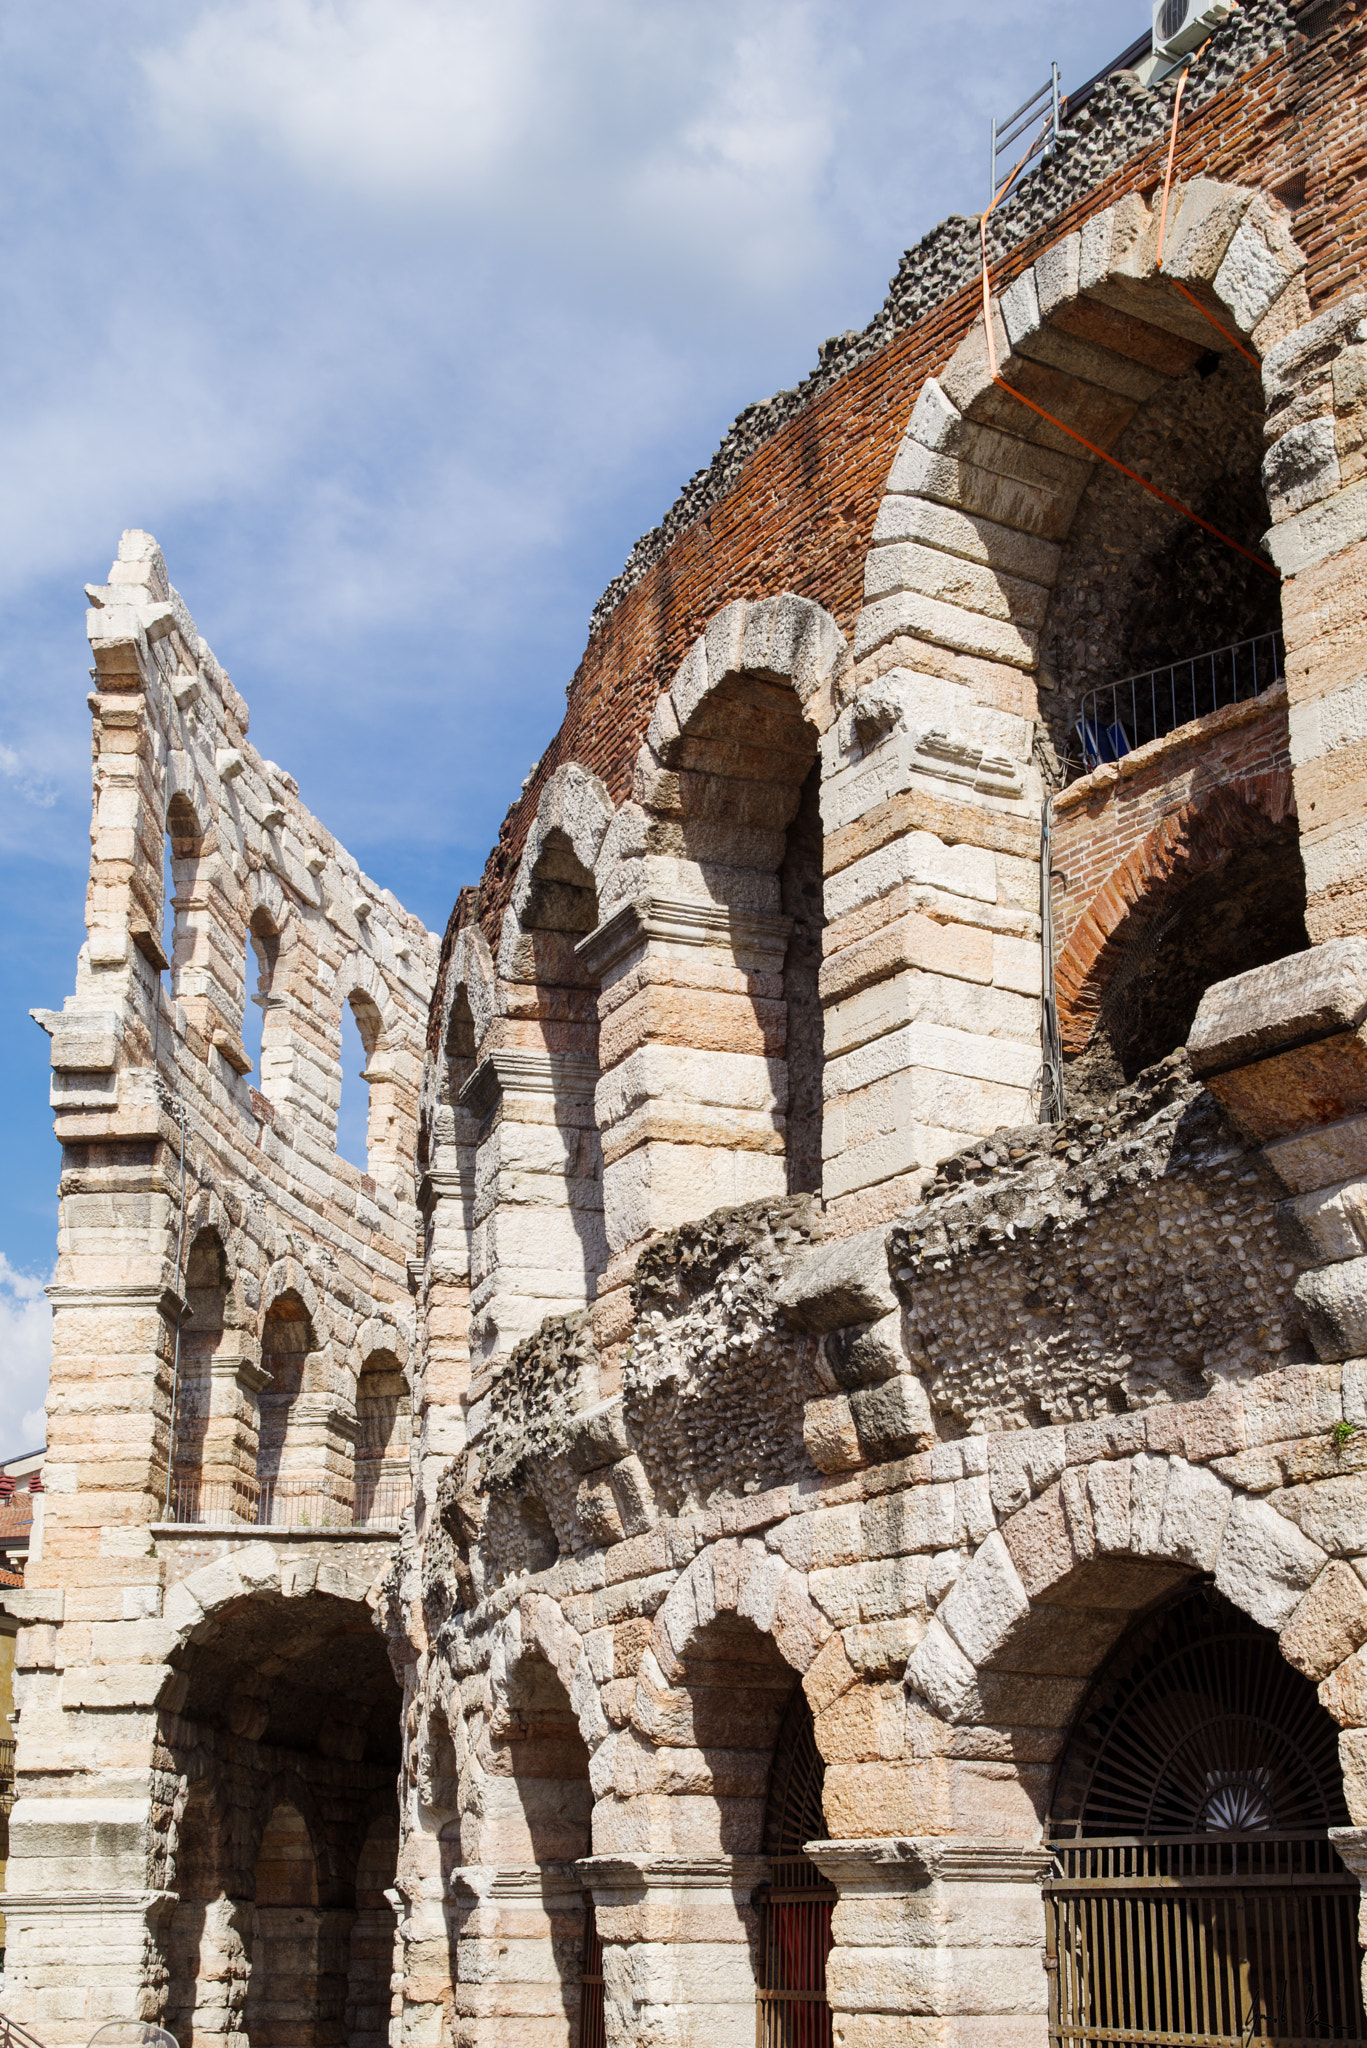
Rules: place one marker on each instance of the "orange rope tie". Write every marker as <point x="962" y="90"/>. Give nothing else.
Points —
<point x="1134" y="475"/>
<point x="1232" y="339"/>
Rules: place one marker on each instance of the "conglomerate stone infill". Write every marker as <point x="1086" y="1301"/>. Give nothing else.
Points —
<point x="1100" y="1266"/>
<point x="1055" y="1274"/>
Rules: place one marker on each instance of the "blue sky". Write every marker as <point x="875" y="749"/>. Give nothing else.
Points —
<point x="397" y="321"/>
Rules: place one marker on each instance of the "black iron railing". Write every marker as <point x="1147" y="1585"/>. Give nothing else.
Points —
<point x="289" y="1503"/>
<point x="1122" y="716"/>
<point x="1214" y="1941"/>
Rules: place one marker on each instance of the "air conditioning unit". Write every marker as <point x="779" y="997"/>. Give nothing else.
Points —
<point x="1180" y="26"/>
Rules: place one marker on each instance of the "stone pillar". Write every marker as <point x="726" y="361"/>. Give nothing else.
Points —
<point x="693" y="1094"/>
<point x="538" y="1244"/>
<point x="1351" y="1844"/>
<point x="939" y="1938"/>
<point x="679" y="1939"/>
<point x="77" y="1959"/>
<point x="519" y="1954"/>
<point x="422" y="1968"/>
<point x="1315" y="382"/>
<point x="931" y="979"/>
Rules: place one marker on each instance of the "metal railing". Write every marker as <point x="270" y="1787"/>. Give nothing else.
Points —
<point x="1122" y="716"/>
<point x="289" y="1503"/>
<point x="12" y="2035"/>
<point x="1042" y="106"/>
<point x="1222" y="1941"/>
<point x="6" y="1776"/>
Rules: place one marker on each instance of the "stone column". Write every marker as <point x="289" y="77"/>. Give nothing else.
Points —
<point x="222" y="1478"/>
<point x="519" y="1934"/>
<point x="679" y="1939"/>
<point x="693" y="1094"/>
<point x="1315" y="381"/>
<point x="1351" y="1844"/>
<point x="77" y="1959"/>
<point x="937" y="1939"/>
<point x="538" y="1244"/>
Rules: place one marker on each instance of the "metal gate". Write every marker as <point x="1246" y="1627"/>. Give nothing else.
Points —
<point x="1196" y="1899"/>
<point x="1248" y="1940"/>
<point x="592" y="2022"/>
<point x="795" y="1940"/>
<point x="796" y="1904"/>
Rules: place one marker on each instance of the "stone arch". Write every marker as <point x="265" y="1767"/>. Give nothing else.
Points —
<point x="576" y="809"/>
<point x="1183" y="847"/>
<point x="1014" y="1643"/>
<point x="288" y="1275"/>
<point x="379" y="1333"/>
<point x="709" y="892"/>
<point x="215" y="1426"/>
<point x="540" y="1143"/>
<point x="981" y="477"/>
<point x="360" y="985"/>
<point x="736" y="1633"/>
<point x="188" y="829"/>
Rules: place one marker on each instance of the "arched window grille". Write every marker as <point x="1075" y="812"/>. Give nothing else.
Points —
<point x="1196" y="1896"/>
<point x="796" y="1904"/>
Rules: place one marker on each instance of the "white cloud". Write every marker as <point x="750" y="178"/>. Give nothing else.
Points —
<point x="603" y="134"/>
<point x="20" y="773"/>
<point x="25" y="1358"/>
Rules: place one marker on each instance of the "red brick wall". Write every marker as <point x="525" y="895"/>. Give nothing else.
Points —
<point x="1130" y="834"/>
<point x="801" y="514"/>
<point x="1101" y="820"/>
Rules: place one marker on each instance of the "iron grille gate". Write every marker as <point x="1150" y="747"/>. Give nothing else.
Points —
<point x="592" y="2020"/>
<point x="1245" y="1941"/>
<point x="795" y="1910"/>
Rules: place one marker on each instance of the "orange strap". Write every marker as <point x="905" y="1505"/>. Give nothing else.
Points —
<point x="1143" y="481"/>
<point x="1072" y="432"/>
<point x="1232" y="339"/>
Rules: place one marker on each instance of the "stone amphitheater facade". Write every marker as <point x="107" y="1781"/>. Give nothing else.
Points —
<point x="728" y="1470"/>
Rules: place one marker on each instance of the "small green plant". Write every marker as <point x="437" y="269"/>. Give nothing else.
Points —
<point x="1343" y="1433"/>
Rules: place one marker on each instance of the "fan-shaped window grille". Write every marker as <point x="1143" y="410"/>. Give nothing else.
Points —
<point x="797" y="1903"/>
<point x="1196" y="1896"/>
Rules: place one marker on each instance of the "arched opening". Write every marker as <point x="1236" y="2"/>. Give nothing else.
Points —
<point x="353" y="1108"/>
<point x="208" y="1946"/>
<point x="543" y="1141"/>
<point x="294" y="1998"/>
<point x="1216" y="889"/>
<point x="370" y="1957"/>
<point x="1195" y="1892"/>
<point x="797" y="1903"/>
<point x="287" y="1844"/>
<point x="196" y="1493"/>
<point x="536" y="1809"/>
<point x="741" y="804"/>
<point x="263" y="947"/>
<point x="1140" y="588"/>
<point x="180" y="866"/>
<point x="384" y="1430"/>
<point x="287" y="1342"/>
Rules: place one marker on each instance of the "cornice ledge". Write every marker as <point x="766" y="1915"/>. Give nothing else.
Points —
<point x="886" y="1861"/>
<point x="527" y="1070"/>
<point x="671" y="1873"/>
<point x="680" y="921"/>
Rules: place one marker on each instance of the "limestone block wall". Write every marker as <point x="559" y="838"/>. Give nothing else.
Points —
<point x="1074" y="1377"/>
<point x="225" y="1281"/>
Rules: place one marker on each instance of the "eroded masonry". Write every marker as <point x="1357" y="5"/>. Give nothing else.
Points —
<point x="816" y="1488"/>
